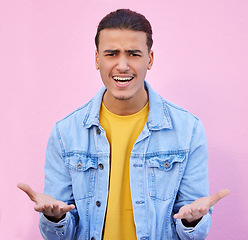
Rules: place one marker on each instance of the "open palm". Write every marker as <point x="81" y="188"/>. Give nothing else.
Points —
<point x="49" y="206"/>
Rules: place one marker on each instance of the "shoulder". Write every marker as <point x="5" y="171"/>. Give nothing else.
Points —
<point x="175" y="109"/>
<point x="161" y="109"/>
<point x="181" y="119"/>
<point x="76" y="117"/>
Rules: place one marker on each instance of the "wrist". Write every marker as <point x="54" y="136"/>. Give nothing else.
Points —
<point x="190" y="223"/>
<point x="55" y="219"/>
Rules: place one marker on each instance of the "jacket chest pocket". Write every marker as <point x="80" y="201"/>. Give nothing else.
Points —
<point x="164" y="175"/>
<point x="83" y="173"/>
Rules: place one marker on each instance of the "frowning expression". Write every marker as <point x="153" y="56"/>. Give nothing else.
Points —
<point x="123" y="59"/>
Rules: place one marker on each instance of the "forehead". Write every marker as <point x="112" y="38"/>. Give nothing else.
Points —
<point x="122" y="38"/>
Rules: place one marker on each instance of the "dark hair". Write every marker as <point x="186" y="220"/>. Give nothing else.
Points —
<point x="125" y="19"/>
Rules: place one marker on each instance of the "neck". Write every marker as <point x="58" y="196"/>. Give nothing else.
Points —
<point x="125" y="107"/>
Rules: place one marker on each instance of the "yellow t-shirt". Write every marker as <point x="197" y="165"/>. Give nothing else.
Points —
<point x="122" y="132"/>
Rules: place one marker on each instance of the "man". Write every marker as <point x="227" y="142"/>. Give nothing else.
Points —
<point x="127" y="164"/>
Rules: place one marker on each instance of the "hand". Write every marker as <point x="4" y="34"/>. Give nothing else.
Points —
<point x="193" y="212"/>
<point x="49" y="206"/>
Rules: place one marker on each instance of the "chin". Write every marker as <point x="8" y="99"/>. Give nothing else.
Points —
<point x="122" y="98"/>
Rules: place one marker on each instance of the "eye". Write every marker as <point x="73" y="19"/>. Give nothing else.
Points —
<point x="111" y="54"/>
<point x="135" y="55"/>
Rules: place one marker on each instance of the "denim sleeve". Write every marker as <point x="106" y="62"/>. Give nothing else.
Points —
<point x="58" y="185"/>
<point x="194" y="184"/>
<point x="61" y="230"/>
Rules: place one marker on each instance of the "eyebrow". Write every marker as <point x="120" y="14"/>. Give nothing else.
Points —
<point x="111" y="51"/>
<point x="134" y="51"/>
<point x="127" y="51"/>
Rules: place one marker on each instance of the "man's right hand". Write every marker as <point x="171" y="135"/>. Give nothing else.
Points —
<point x="53" y="209"/>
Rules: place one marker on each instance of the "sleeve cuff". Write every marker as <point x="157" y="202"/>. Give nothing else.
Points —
<point x="200" y="231"/>
<point x="59" y="225"/>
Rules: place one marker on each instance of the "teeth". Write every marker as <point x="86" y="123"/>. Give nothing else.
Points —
<point x="123" y="78"/>
<point x="121" y="82"/>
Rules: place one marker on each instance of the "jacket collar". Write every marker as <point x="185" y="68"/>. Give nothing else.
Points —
<point x="158" y="117"/>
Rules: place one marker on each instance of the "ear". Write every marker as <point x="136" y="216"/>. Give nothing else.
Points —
<point x="96" y="60"/>
<point x="151" y="58"/>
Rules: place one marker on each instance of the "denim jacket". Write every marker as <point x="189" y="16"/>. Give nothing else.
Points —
<point x="168" y="169"/>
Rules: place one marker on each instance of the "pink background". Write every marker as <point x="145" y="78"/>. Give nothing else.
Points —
<point x="47" y="70"/>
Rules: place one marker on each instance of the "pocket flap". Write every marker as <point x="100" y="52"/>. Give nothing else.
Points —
<point x="165" y="162"/>
<point x="81" y="163"/>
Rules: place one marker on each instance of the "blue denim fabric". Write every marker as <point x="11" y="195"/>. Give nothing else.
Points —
<point x="168" y="169"/>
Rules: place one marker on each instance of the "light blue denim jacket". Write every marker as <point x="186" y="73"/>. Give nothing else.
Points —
<point x="168" y="169"/>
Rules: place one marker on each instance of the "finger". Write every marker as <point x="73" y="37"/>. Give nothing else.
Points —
<point x="38" y="208"/>
<point x="56" y="209"/>
<point x="41" y="208"/>
<point x="28" y="190"/>
<point x="203" y="210"/>
<point x="195" y="212"/>
<point x="68" y="208"/>
<point x="47" y="207"/>
<point x="183" y="214"/>
<point x="180" y="214"/>
<point x="72" y="206"/>
<point x="176" y="216"/>
<point x="218" y="196"/>
<point x="198" y="213"/>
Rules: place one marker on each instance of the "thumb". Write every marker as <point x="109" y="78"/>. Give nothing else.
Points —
<point x="28" y="190"/>
<point x="219" y="195"/>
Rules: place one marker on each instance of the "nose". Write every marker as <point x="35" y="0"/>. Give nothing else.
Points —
<point x="122" y="65"/>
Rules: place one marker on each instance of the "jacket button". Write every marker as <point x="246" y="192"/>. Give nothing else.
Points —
<point x="98" y="131"/>
<point x="100" y="166"/>
<point x="98" y="203"/>
<point x="166" y="164"/>
<point x="79" y="165"/>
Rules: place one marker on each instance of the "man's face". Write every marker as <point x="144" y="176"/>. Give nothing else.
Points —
<point x="123" y="60"/>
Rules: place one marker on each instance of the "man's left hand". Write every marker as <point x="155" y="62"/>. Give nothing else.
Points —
<point x="196" y="210"/>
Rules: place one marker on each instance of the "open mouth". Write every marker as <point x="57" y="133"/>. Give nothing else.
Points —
<point x="123" y="80"/>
